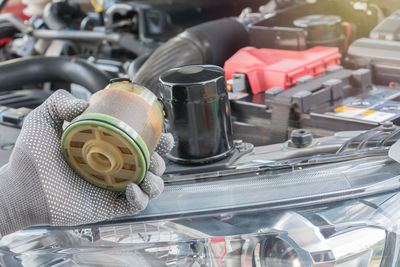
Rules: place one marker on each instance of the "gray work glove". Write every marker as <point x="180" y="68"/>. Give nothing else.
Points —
<point x="38" y="187"/>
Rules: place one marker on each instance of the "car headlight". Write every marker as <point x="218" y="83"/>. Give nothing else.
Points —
<point x="297" y="243"/>
<point x="354" y="226"/>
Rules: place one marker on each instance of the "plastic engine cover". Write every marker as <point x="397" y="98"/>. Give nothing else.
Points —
<point x="268" y="68"/>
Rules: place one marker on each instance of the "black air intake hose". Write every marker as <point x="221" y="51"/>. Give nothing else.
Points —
<point x="208" y="43"/>
<point x="18" y="72"/>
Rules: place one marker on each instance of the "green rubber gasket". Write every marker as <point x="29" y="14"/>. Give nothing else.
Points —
<point x="117" y="126"/>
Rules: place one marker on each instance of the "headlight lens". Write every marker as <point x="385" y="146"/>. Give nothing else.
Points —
<point x="167" y="243"/>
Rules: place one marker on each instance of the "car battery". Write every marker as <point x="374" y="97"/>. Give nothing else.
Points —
<point x="268" y="68"/>
<point x="340" y="99"/>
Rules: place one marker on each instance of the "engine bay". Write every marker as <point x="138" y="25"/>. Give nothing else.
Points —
<point x="285" y="116"/>
<point x="295" y="71"/>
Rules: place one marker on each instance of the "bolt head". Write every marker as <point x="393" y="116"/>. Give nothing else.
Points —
<point x="301" y="137"/>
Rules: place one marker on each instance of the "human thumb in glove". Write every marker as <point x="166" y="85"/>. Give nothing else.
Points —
<point x="38" y="187"/>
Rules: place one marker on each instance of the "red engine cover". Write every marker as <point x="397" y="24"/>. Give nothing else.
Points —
<point x="15" y="7"/>
<point x="267" y="68"/>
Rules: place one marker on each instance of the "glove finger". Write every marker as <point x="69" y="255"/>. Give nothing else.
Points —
<point x="60" y="106"/>
<point x="157" y="164"/>
<point x="152" y="185"/>
<point x="137" y="199"/>
<point x="165" y="144"/>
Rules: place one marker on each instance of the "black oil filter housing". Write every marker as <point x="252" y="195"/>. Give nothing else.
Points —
<point x="197" y="113"/>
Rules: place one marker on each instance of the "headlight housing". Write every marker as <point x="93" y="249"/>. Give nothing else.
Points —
<point x="351" y="223"/>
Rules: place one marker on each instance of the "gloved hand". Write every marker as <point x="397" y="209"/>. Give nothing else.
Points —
<point x="38" y="187"/>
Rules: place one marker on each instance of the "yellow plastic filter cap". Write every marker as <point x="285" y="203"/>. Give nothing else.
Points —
<point x="102" y="156"/>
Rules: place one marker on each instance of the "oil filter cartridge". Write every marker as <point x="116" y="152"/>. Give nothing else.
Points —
<point x="110" y="143"/>
<point x="197" y="113"/>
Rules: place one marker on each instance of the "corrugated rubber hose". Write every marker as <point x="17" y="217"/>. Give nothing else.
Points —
<point x="208" y="43"/>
